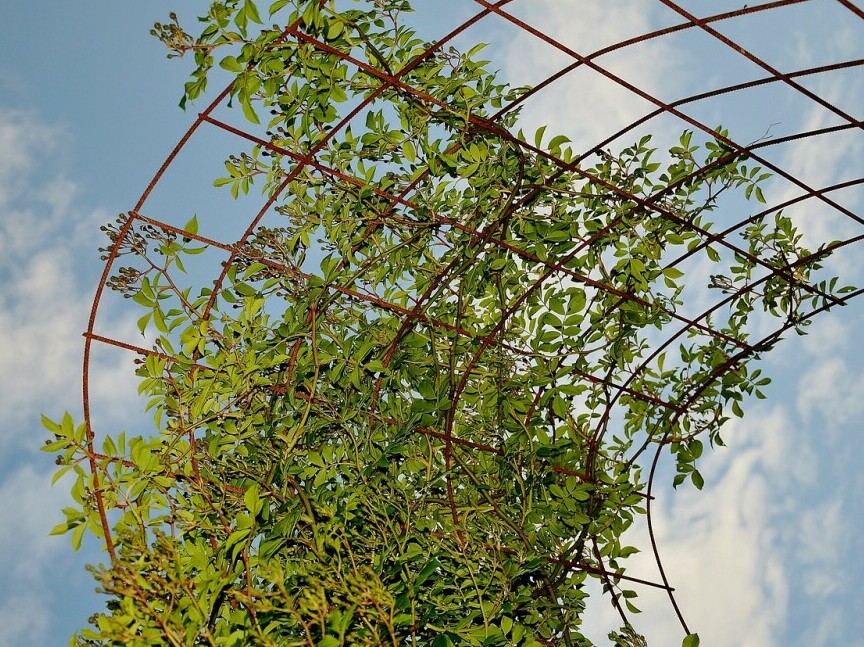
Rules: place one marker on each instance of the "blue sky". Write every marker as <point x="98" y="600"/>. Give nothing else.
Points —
<point x="767" y="555"/>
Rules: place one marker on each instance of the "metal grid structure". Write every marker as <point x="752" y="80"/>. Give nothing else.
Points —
<point x="711" y="27"/>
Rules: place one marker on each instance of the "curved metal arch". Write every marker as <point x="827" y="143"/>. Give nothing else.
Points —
<point x="555" y="266"/>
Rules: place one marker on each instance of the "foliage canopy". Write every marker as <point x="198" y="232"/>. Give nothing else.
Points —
<point x="413" y="412"/>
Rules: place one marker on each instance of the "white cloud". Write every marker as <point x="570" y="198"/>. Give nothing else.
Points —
<point x="760" y="534"/>
<point x="24" y="620"/>
<point x="35" y="566"/>
<point x="785" y="447"/>
<point x="826" y="633"/>
<point x="715" y="547"/>
<point x="827" y="336"/>
<point x="831" y="390"/>
<point x="49" y="265"/>
<point x="821" y="162"/>
<point x="31" y="508"/>
<point x="47" y="251"/>
<point x="718" y="546"/>
<point x="20" y="134"/>
<point x="821" y="536"/>
<point x="585" y="105"/>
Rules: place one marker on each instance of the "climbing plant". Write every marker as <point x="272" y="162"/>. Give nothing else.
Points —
<point x="413" y="408"/>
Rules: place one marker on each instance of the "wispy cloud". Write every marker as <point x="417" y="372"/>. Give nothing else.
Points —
<point x="47" y="256"/>
<point x="739" y="551"/>
<point x="765" y="555"/>
<point x="585" y="105"/>
<point x="48" y="261"/>
<point x="831" y="390"/>
<point x="823" y="161"/>
<point x="24" y="619"/>
<point x="718" y="545"/>
<point x="24" y="542"/>
<point x="823" y="532"/>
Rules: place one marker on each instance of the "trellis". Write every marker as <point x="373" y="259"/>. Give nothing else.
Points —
<point x="411" y="311"/>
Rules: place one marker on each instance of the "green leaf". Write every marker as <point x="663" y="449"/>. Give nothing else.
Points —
<point x="251" y="499"/>
<point x="560" y="407"/>
<point x="60" y="528"/>
<point x="335" y="29"/>
<point x="557" y="141"/>
<point x="538" y="136"/>
<point x="143" y="321"/>
<point x="236" y="537"/>
<point x="441" y="640"/>
<point x="518" y="632"/>
<point x="78" y="535"/>
<point x="51" y="426"/>
<point x="60" y="473"/>
<point x="230" y="63"/>
<point x="409" y="151"/>
<point x="712" y="254"/>
<point x="691" y="640"/>
<point x="245" y="290"/>
<point x="279" y="4"/>
<point x="375" y="366"/>
<point x="191" y="225"/>
<point x="249" y="112"/>
<point x="759" y="195"/>
<point x="67" y="426"/>
<point x="251" y="10"/>
<point x="427" y="571"/>
<point x="498" y="264"/>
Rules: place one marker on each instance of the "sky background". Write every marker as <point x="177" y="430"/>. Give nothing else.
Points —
<point x="769" y="554"/>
